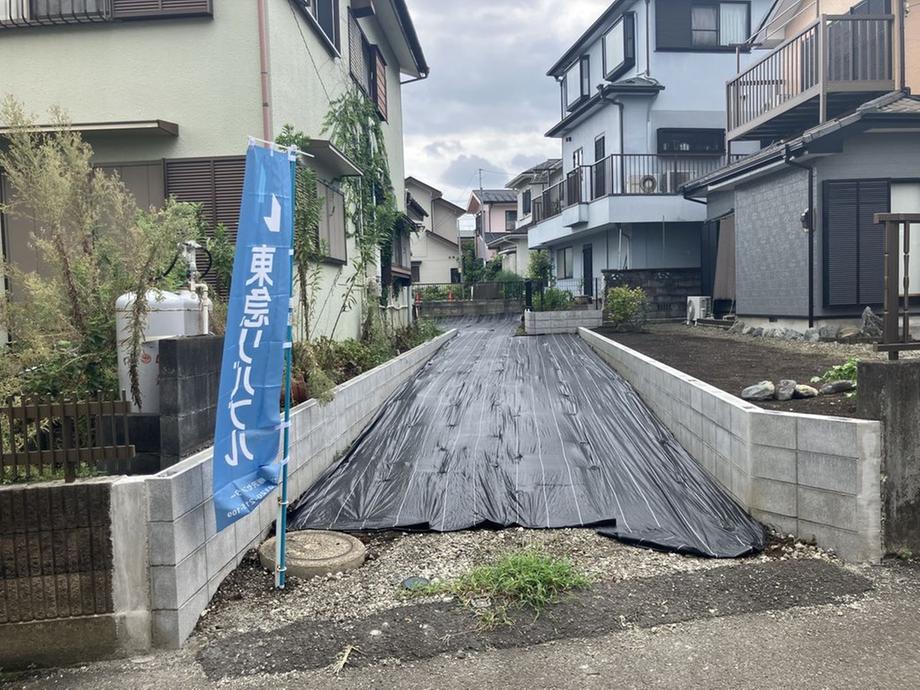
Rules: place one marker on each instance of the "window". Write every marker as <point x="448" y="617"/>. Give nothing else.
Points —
<point x="564" y="262"/>
<point x="578" y="158"/>
<point x="527" y="202"/>
<point x="619" y="45"/>
<point x="577" y="84"/>
<point x="703" y="25"/>
<point x="600" y="148"/>
<point x="331" y="227"/>
<point x="325" y="19"/>
<point x="688" y="142"/>
<point x="854" y="254"/>
<point x="455" y="275"/>
<point x="367" y="65"/>
<point x="139" y="9"/>
<point x="416" y="271"/>
<point x="510" y="220"/>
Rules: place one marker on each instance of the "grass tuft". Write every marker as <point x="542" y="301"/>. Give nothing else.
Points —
<point x="526" y="579"/>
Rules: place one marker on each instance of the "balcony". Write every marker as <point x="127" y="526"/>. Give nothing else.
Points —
<point x="624" y="175"/>
<point x="830" y="68"/>
<point x="20" y="13"/>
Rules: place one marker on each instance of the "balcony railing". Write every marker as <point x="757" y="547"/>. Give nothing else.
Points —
<point x="17" y="13"/>
<point x="827" y="69"/>
<point x="624" y="175"/>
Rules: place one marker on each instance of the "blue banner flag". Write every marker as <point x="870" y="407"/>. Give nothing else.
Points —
<point x="247" y="450"/>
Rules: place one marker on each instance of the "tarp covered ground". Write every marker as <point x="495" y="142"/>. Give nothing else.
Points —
<point x="539" y="432"/>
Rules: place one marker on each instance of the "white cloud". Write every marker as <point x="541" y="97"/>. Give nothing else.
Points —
<point x="488" y="100"/>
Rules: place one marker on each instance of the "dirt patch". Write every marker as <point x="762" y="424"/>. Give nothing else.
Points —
<point x="734" y="363"/>
<point x="426" y="630"/>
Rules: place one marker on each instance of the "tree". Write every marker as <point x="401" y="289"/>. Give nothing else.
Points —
<point x="539" y="266"/>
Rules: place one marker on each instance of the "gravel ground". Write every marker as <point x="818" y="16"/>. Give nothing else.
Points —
<point x="247" y="599"/>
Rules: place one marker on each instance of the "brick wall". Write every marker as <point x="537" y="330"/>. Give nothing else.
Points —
<point x="771" y="249"/>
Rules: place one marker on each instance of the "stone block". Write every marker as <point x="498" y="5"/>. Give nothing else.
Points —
<point x="171" y="628"/>
<point x="849" y="546"/>
<point x="778" y="464"/>
<point x="773" y="429"/>
<point x="172" y="586"/>
<point x="173" y="542"/>
<point x="774" y="497"/>
<point x="827" y="508"/>
<point x="827" y="436"/>
<point x="829" y="472"/>
<point x="220" y="550"/>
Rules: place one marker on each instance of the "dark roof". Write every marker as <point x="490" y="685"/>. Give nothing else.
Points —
<point x="405" y="22"/>
<point x="575" y="50"/>
<point x="414" y="205"/>
<point x="496" y="196"/>
<point x="892" y="109"/>
<point x="500" y="237"/>
<point x="634" y="86"/>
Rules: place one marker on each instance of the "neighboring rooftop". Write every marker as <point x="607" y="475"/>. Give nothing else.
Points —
<point x="496" y="196"/>
<point x="538" y="172"/>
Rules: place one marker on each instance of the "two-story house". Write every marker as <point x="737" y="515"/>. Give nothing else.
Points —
<point x="436" y="242"/>
<point x="790" y="239"/>
<point x="495" y="211"/>
<point x="642" y="96"/>
<point x="167" y="93"/>
<point x="529" y="186"/>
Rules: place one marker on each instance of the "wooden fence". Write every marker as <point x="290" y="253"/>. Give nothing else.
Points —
<point x="41" y="438"/>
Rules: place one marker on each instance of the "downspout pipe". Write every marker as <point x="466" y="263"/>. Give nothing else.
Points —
<point x="809" y="220"/>
<point x="266" y="84"/>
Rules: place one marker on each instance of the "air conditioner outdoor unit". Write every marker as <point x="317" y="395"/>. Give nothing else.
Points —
<point x="672" y="181"/>
<point x="698" y="308"/>
<point x="643" y="184"/>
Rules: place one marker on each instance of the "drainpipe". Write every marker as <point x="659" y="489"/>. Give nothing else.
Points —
<point x="808" y="220"/>
<point x="648" y="38"/>
<point x="265" y="74"/>
<point x="902" y="47"/>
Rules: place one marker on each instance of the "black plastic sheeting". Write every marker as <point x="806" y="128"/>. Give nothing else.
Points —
<point x="530" y="431"/>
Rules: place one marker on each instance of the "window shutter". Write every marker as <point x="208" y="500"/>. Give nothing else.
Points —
<point x="672" y="25"/>
<point x="380" y="83"/>
<point x="143" y="9"/>
<point x="358" y="55"/>
<point x="874" y="197"/>
<point x="841" y="234"/>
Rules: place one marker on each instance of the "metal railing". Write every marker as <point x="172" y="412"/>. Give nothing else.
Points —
<point x="834" y="53"/>
<point x="19" y="13"/>
<point x="630" y="174"/>
<point x="42" y="438"/>
<point x="564" y="294"/>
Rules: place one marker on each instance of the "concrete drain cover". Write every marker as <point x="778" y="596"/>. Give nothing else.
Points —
<point x="316" y="553"/>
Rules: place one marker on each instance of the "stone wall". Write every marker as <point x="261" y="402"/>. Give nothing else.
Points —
<point x="189" y="388"/>
<point x="890" y="391"/>
<point x="667" y="289"/>
<point x="188" y="558"/>
<point x="815" y="477"/>
<point x="552" y="322"/>
<point x="68" y="570"/>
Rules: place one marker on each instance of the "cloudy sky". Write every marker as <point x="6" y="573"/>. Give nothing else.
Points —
<point x="488" y="101"/>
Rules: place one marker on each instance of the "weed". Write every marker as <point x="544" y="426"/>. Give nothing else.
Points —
<point x="842" y="372"/>
<point x="525" y="579"/>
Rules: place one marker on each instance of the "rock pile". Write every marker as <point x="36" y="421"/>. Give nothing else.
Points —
<point x="869" y="330"/>
<point x="788" y="389"/>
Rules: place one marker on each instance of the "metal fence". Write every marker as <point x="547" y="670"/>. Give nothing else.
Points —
<point x="564" y="294"/>
<point x="426" y="293"/>
<point x="44" y="439"/>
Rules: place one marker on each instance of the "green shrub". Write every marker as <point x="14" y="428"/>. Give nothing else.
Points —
<point x="626" y="308"/>
<point x="842" y="372"/>
<point x="554" y="299"/>
<point x="540" y="266"/>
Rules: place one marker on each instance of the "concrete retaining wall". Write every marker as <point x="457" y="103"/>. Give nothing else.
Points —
<point x="551" y="322"/>
<point x="815" y="477"/>
<point x="482" y="307"/>
<point x="188" y="559"/>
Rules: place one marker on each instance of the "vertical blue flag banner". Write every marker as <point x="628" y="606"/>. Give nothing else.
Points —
<point x="247" y="450"/>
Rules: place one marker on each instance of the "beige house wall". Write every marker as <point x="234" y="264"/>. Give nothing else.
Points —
<point x="204" y="75"/>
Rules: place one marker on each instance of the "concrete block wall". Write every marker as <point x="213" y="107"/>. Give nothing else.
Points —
<point x="553" y="322"/>
<point x="815" y="477"/>
<point x="188" y="559"/>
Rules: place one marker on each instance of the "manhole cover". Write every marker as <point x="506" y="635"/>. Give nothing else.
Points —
<point x="316" y="553"/>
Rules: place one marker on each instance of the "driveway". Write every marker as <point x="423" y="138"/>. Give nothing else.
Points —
<point x="539" y="432"/>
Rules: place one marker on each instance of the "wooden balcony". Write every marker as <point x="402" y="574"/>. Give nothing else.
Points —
<point x="830" y="68"/>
